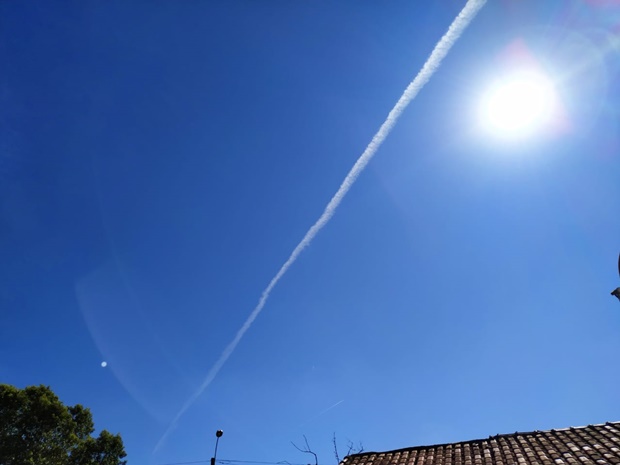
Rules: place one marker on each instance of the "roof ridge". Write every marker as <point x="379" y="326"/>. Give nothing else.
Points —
<point x="470" y="441"/>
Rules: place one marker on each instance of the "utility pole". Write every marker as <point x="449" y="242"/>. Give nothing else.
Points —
<point x="218" y="435"/>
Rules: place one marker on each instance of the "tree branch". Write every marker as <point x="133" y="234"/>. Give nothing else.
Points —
<point x="307" y="450"/>
<point x="336" y="448"/>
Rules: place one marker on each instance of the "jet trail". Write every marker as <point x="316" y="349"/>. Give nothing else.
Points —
<point x="323" y="412"/>
<point x="442" y="48"/>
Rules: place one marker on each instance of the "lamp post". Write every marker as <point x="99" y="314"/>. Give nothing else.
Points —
<point x="218" y="435"/>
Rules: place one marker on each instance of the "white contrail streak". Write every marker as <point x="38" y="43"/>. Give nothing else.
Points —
<point x="457" y="27"/>
<point x="323" y="412"/>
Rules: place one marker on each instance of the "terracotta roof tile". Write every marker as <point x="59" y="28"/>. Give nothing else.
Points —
<point x="587" y="445"/>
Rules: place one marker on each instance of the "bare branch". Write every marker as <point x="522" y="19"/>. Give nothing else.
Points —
<point x="351" y="449"/>
<point x="297" y="447"/>
<point x="307" y="450"/>
<point x="335" y="448"/>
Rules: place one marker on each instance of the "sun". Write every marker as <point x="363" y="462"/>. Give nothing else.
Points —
<point x="519" y="105"/>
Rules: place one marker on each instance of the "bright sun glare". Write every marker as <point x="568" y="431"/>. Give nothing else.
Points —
<point x="519" y="105"/>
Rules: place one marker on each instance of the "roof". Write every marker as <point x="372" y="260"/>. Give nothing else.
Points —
<point x="592" y="444"/>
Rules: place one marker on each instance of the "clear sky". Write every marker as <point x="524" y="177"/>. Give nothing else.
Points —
<point x="159" y="161"/>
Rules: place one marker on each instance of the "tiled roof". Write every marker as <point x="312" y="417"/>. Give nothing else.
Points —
<point x="593" y="444"/>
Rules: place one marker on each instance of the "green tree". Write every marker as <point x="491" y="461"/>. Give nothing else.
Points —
<point x="36" y="428"/>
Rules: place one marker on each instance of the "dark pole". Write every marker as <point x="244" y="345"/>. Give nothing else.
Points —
<point x="218" y="435"/>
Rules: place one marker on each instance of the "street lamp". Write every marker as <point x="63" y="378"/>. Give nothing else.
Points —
<point x="218" y="435"/>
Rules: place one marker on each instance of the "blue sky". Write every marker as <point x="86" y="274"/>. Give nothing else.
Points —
<point x="161" y="160"/>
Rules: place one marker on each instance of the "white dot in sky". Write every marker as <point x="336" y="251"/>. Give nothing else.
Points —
<point x="104" y="364"/>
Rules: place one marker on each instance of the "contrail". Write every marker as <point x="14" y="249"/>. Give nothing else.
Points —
<point x="323" y="412"/>
<point x="440" y="51"/>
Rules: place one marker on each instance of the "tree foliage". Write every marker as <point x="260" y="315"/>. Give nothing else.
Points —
<point x="36" y="428"/>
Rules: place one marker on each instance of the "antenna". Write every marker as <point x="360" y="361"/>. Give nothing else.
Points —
<point x="218" y="435"/>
